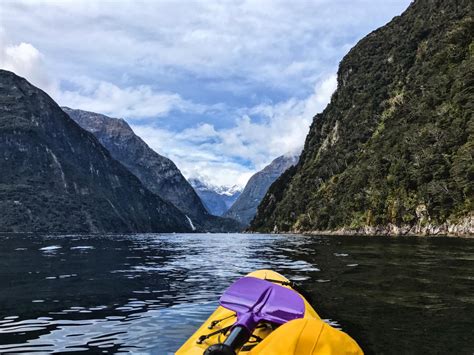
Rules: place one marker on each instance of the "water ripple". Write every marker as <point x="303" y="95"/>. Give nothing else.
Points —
<point x="147" y="293"/>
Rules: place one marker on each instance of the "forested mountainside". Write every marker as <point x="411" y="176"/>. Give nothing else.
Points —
<point x="393" y="151"/>
<point x="244" y="209"/>
<point x="57" y="177"/>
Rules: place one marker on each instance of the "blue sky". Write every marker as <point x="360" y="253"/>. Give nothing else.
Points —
<point x="220" y="87"/>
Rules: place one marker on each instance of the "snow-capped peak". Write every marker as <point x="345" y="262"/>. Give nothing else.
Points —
<point x="201" y="185"/>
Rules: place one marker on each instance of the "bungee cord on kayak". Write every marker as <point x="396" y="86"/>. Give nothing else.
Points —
<point x="216" y="322"/>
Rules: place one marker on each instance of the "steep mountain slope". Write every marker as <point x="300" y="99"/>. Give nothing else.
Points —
<point x="245" y="208"/>
<point x="56" y="177"/>
<point x="393" y="151"/>
<point x="216" y="199"/>
<point x="157" y="173"/>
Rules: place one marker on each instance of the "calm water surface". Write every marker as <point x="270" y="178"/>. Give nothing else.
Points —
<point x="148" y="293"/>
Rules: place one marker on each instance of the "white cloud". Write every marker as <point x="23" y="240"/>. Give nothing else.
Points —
<point x="206" y="152"/>
<point x="130" y="102"/>
<point x="272" y="42"/>
<point x="25" y="60"/>
<point x="196" y="160"/>
<point x="88" y="94"/>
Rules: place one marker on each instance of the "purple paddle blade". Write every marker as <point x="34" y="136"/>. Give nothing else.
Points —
<point x="256" y="300"/>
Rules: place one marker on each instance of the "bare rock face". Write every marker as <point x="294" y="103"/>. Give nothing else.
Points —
<point x="57" y="177"/>
<point x="245" y="208"/>
<point x="156" y="172"/>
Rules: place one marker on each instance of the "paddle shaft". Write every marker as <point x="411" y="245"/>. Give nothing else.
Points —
<point x="237" y="337"/>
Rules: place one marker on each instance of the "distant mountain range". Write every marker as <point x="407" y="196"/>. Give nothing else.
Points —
<point x="216" y="199"/>
<point x="157" y="173"/>
<point x="245" y="208"/>
<point x="57" y="177"/>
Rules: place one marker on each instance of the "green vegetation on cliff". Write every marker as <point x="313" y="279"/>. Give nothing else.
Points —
<point x="395" y="145"/>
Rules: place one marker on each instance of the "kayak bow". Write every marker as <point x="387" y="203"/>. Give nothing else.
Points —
<point x="263" y="314"/>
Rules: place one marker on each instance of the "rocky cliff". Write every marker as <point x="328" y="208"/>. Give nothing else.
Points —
<point x="245" y="208"/>
<point x="157" y="173"/>
<point x="57" y="177"/>
<point x="393" y="151"/>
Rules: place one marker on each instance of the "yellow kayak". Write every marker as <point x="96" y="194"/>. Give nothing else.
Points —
<point x="263" y="314"/>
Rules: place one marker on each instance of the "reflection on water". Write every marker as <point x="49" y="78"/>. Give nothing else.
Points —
<point x="148" y="293"/>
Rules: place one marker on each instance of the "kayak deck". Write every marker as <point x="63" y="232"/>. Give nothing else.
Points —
<point x="211" y="331"/>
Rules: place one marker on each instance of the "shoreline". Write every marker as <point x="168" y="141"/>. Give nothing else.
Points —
<point x="350" y="233"/>
<point x="340" y="232"/>
<point x="462" y="229"/>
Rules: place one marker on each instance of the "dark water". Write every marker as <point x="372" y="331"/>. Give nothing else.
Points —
<point x="148" y="293"/>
